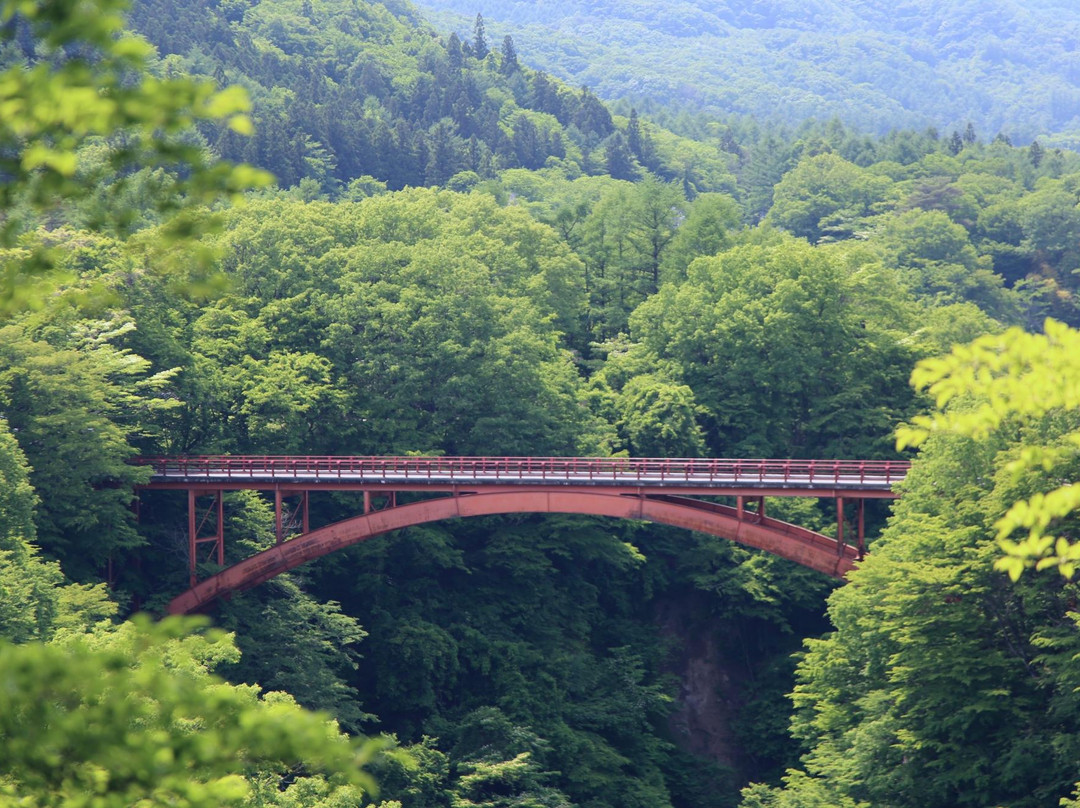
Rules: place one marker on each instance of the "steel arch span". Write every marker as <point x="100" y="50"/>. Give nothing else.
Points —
<point x="805" y="547"/>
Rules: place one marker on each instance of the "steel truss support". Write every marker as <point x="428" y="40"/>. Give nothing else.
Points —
<point x="751" y="516"/>
<point x="860" y="525"/>
<point x="214" y="514"/>
<point x="387" y="500"/>
<point x="292" y="519"/>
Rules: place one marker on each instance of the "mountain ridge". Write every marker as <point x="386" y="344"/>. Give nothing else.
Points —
<point x="877" y="66"/>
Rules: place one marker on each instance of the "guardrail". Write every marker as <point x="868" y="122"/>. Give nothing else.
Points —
<point x="876" y="473"/>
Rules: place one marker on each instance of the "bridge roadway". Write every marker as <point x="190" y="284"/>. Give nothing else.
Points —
<point x="649" y="489"/>
<point x="823" y="478"/>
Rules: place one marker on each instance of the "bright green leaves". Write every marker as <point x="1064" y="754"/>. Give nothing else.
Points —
<point x="285" y="397"/>
<point x="415" y="321"/>
<point x="659" y="418"/>
<point x="775" y="325"/>
<point x="1010" y="374"/>
<point x="77" y="400"/>
<point x="623" y="242"/>
<point x="1013" y="378"/>
<point x="932" y="649"/>
<point x="51" y="109"/>
<point x="133" y="718"/>
<point x="1036" y="515"/>
<point x="825" y="196"/>
<point x="654" y="414"/>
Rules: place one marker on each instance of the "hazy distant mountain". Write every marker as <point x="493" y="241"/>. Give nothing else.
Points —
<point x="1003" y="65"/>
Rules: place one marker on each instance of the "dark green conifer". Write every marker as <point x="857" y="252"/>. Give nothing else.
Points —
<point x="619" y="161"/>
<point x="509" y="57"/>
<point x="480" y="45"/>
<point x="453" y="51"/>
<point x="1036" y="153"/>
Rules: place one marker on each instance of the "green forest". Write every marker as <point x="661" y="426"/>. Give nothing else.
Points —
<point x="327" y="227"/>
<point x="1006" y="66"/>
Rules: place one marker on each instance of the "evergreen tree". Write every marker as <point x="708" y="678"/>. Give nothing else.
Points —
<point x="640" y="143"/>
<point x="633" y="136"/>
<point x="593" y="117"/>
<point x="480" y="45"/>
<point x="454" y="54"/>
<point x="1036" y="153"/>
<point x="618" y="160"/>
<point x="526" y="143"/>
<point x="545" y="96"/>
<point x="956" y="143"/>
<point x="509" y="57"/>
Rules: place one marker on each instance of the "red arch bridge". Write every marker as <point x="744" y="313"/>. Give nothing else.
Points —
<point x="666" y="491"/>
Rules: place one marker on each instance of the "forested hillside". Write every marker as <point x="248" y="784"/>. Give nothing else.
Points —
<point x="347" y="94"/>
<point x="1004" y="66"/>
<point x="462" y="255"/>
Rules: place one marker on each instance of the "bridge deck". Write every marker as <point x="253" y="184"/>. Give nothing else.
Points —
<point x="444" y="473"/>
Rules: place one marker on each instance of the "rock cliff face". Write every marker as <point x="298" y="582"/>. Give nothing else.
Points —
<point x="710" y="674"/>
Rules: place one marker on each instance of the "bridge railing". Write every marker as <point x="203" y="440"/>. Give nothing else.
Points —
<point x="539" y="469"/>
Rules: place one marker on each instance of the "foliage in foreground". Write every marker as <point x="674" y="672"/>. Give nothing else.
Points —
<point x="1019" y="378"/>
<point x="943" y="684"/>
<point x="80" y="110"/>
<point x="133" y="717"/>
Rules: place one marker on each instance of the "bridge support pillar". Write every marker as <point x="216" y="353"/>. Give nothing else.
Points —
<point x="741" y="509"/>
<point x="300" y="516"/>
<point x="861" y="510"/>
<point x="839" y="525"/>
<point x="198" y="524"/>
<point x="279" y="533"/>
<point x="388" y="500"/>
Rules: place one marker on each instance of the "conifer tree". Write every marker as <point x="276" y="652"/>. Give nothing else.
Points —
<point x="453" y="51"/>
<point x="509" y="57"/>
<point x="620" y="163"/>
<point x="639" y="141"/>
<point x="633" y="134"/>
<point x="1036" y="153"/>
<point x="480" y="45"/>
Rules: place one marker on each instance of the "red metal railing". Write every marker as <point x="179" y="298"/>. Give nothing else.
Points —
<point x="597" y="470"/>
